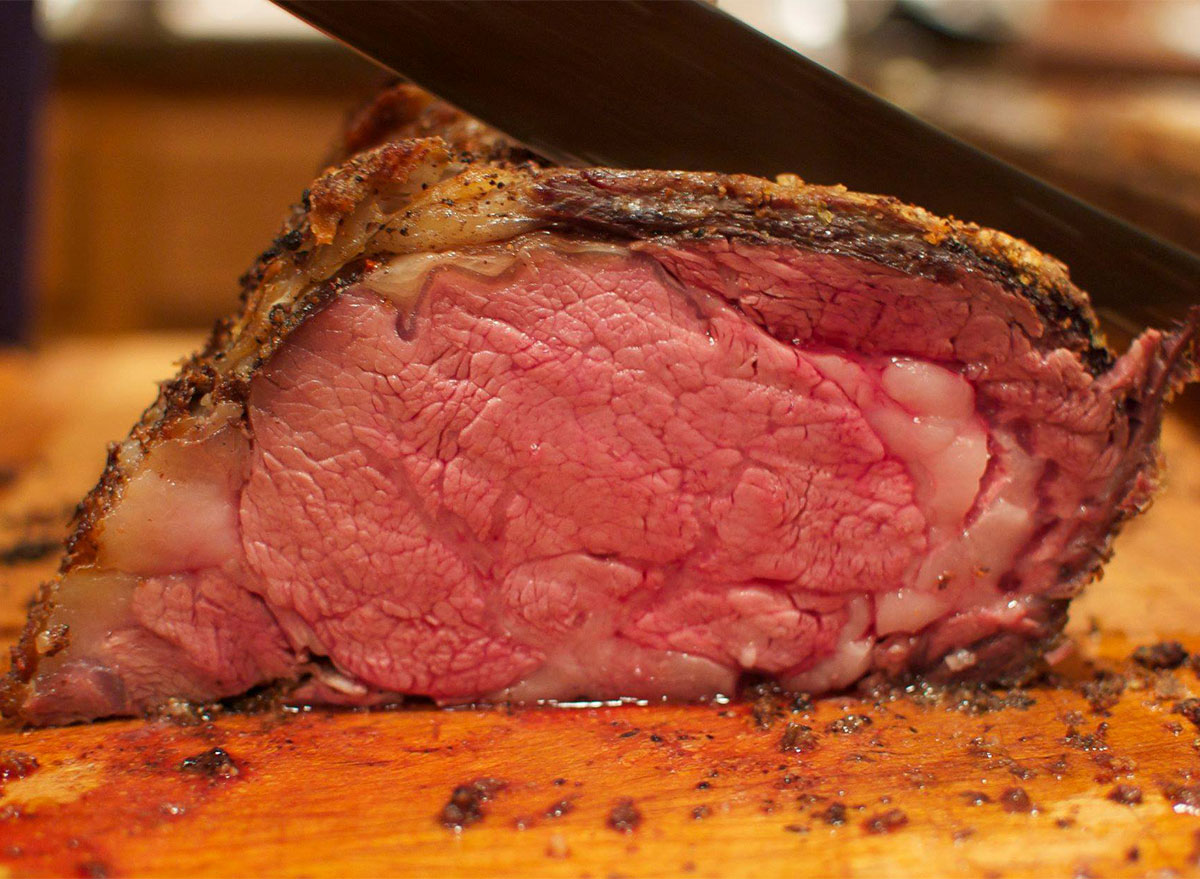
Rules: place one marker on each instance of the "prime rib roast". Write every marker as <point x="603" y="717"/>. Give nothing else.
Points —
<point x="486" y="429"/>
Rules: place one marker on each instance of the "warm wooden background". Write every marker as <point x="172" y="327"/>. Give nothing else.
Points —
<point x="324" y="794"/>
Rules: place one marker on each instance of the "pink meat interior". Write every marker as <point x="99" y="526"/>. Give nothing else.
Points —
<point x="613" y="474"/>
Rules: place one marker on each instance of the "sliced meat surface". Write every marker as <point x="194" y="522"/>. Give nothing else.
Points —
<point x="489" y="430"/>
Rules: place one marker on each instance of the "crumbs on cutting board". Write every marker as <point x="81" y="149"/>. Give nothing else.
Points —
<point x="890" y="763"/>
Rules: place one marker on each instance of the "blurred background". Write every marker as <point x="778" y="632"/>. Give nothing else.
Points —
<point x="150" y="148"/>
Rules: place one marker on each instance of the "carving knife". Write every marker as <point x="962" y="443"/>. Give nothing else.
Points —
<point x="681" y="85"/>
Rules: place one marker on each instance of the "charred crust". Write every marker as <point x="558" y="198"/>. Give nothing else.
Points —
<point x="178" y="399"/>
<point x="23" y="655"/>
<point x="1005" y="659"/>
<point x="640" y="205"/>
<point x="403" y="111"/>
<point x="290" y="240"/>
<point x="215" y="763"/>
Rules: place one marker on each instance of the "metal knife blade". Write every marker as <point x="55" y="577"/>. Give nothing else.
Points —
<point x="683" y="86"/>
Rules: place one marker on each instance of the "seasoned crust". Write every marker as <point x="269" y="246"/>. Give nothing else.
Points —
<point x="828" y="219"/>
<point x="640" y="204"/>
<point x="404" y="112"/>
<point x="369" y="204"/>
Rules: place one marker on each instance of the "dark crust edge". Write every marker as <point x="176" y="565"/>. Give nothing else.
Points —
<point x="657" y="206"/>
<point x="402" y="111"/>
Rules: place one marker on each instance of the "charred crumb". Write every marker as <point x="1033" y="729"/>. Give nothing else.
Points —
<point x="979" y="700"/>
<point x="801" y="702"/>
<point x="8" y="476"/>
<point x="1190" y="709"/>
<point x="993" y="756"/>
<point x="1104" y="691"/>
<point x="16" y="764"/>
<point x="1163" y="655"/>
<point x="1133" y="855"/>
<point x="975" y="797"/>
<point x="465" y="806"/>
<point x="1015" y="799"/>
<point x="797" y="738"/>
<point x="1184" y="799"/>
<point x="1167" y="686"/>
<point x="559" y="808"/>
<point x="1058" y="768"/>
<point x="1115" y="765"/>
<point x="1017" y="700"/>
<point x="766" y="703"/>
<point x="834" y="815"/>
<point x="1064" y="823"/>
<point x="1097" y="741"/>
<point x="887" y="822"/>
<point x="263" y="699"/>
<point x="849" y="724"/>
<point x="971" y="699"/>
<point x="213" y="763"/>
<point x="1126" y="794"/>
<point x="291" y="240"/>
<point x="795" y="828"/>
<point x="624" y="816"/>
<point x="699" y="813"/>
<point x="703" y="785"/>
<point x="32" y="550"/>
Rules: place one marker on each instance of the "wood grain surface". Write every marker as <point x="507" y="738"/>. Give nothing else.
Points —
<point x="1039" y="783"/>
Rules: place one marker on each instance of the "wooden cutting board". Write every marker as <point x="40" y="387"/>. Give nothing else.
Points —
<point x="1012" y="785"/>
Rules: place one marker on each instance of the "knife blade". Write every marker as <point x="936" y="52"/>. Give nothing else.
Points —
<point x="682" y="85"/>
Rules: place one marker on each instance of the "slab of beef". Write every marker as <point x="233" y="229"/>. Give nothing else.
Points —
<point x="485" y="429"/>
